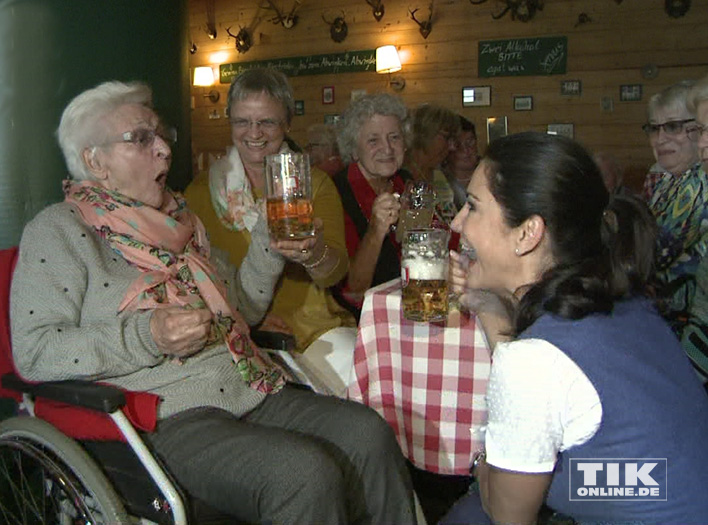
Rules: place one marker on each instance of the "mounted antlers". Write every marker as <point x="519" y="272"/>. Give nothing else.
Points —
<point x="377" y="8"/>
<point x="337" y="28"/>
<point x="243" y="38"/>
<point x="522" y="10"/>
<point x="287" y="21"/>
<point x="427" y="25"/>
<point x="211" y="20"/>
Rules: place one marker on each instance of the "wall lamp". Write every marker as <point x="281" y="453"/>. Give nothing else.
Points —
<point x="204" y="76"/>
<point x="387" y="62"/>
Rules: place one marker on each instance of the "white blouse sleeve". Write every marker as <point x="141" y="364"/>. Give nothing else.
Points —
<point x="539" y="403"/>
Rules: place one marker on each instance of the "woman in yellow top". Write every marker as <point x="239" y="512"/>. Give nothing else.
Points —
<point x="229" y="201"/>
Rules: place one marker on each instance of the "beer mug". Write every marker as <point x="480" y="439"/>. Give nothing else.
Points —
<point x="424" y="267"/>
<point x="417" y="207"/>
<point x="289" y="196"/>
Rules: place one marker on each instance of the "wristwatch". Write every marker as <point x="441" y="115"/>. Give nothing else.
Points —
<point x="479" y="457"/>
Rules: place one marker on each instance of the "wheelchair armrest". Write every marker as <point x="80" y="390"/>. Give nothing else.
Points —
<point x="85" y="394"/>
<point x="273" y="340"/>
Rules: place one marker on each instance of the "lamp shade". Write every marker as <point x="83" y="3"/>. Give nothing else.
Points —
<point x="387" y="60"/>
<point x="203" y="76"/>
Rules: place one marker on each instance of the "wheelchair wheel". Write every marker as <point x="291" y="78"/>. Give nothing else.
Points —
<point x="47" y="478"/>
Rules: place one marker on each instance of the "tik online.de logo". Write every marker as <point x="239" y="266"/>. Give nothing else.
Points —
<point x="617" y="479"/>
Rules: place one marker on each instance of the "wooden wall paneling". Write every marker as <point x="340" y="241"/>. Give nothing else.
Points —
<point x="603" y="54"/>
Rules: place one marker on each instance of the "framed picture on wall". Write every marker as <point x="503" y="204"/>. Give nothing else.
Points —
<point x="477" y="96"/>
<point x="631" y="92"/>
<point x="523" y="103"/>
<point x="561" y="129"/>
<point x="496" y="128"/>
<point x="328" y="95"/>
<point x="331" y="119"/>
<point x="571" y="87"/>
<point x="299" y="107"/>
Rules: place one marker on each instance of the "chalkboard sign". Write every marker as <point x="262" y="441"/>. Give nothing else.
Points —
<point x="523" y="57"/>
<point x="349" y="62"/>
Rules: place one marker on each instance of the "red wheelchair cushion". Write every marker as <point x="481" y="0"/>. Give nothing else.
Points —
<point x="86" y="424"/>
<point x="79" y="423"/>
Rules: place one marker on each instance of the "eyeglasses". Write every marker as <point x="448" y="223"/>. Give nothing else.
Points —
<point x="466" y="144"/>
<point x="696" y="132"/>
<point x="672" y="127"/>
<point x="266" y="124"/>
<point x="144" y="138"/>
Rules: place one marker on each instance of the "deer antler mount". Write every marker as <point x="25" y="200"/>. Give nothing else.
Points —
<point x="522" y="10"/>
<point x="425" y="26"/>
<point x="243" y="38"/>
<point x="211" y="20"/>
<point x="337" y="28"/>
<point x="377" y="8"/>
<point x="288" y="21"/>
<point x="677" y="8"/>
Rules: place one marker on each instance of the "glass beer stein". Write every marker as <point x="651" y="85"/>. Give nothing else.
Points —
<point x="417" y="207"/>
<point x="424" y="268"/>
<point x="289" y="196"/>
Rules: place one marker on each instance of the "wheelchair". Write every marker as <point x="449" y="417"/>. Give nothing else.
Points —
<point x="48" y="477"/>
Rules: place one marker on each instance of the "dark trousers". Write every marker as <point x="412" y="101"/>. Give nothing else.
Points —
<point x="437" y="492"/>
<point x="298" y="458"/>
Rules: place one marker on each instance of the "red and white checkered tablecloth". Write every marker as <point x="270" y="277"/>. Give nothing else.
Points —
<point x="428" y="380"/>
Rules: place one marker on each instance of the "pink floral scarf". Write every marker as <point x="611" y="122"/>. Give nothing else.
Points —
<point x="169" y="245"/>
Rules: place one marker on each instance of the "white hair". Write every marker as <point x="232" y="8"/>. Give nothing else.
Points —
<point x="82" y="123"/>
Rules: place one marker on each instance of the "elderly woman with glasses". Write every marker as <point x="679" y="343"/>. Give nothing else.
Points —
<point x="230" y="201"/>
<point x="676" y="190"/>
<point x="461" y="162"/>
<point x="117" y="284"/>
<point x="434" y="134"/>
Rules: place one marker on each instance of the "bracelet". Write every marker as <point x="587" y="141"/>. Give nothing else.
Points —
<point x="318" y="261"/>
<point x="479" y="457"/>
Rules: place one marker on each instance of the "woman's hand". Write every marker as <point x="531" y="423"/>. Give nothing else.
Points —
<point x="302" y="250"/>
<point x="180" y="332"/>
<point x="384" y="213"/>
<point x="457" y="275"/>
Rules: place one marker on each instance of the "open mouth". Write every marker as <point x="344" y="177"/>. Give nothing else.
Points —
<point x="161" y="179"/>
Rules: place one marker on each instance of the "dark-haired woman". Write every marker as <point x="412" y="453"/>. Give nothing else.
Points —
<point x="583" y="367"/>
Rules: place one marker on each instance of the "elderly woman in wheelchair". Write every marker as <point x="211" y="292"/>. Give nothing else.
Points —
<point x="117" y="284"/>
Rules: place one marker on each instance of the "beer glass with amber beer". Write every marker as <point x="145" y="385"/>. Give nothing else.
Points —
<point x="289" y="196"/>
<point x="424" y="267"/>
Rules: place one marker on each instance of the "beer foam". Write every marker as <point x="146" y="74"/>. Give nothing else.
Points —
<point x="424" y="269"/>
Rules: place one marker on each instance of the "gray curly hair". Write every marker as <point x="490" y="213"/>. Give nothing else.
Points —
<point x="82" y="123"/>
<point x="360" y="111"/>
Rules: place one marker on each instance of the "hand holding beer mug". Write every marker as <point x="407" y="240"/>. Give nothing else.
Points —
<point x="289" y="196"/>
<point x="424" y="267"/>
